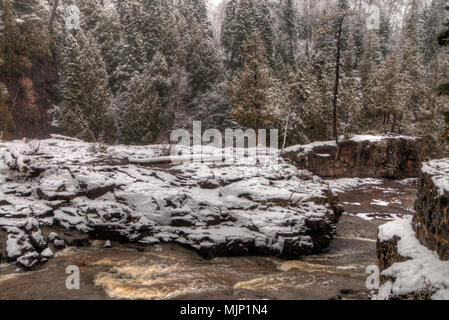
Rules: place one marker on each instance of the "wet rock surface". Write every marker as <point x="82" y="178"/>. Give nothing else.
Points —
<point x="391" y="157"/>
<point x="217" y="210"/>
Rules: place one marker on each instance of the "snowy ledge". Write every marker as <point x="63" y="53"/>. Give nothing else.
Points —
<point x="422" y="275"/>
<point x="439" y="170"/>
<point x="303" y="149"/>
<point x="365" y="156"/>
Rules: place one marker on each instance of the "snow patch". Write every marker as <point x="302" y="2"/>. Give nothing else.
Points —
<point x="439" y="170"/>
<point x="423" y="271"/>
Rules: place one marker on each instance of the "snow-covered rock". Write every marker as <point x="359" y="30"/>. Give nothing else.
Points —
<point x="215" y="209"/>
<point x="107" y="244"/>
<point x="431" y="221"/>
<point x="56" y="241"/>
<point x="409" y="268"/>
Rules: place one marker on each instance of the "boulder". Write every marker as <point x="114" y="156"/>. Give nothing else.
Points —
<point x="56" y="241"/>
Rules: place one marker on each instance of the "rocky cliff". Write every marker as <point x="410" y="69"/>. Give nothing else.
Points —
<point x="413" y="253"/>
<point x="389" y="156"/>
<point x="431" y="221"/>
<point x="409" y="269"/>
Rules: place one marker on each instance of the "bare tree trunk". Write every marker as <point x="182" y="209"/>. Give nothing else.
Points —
<point x="53" y="16"/>
<point x="286" y="129"/>
<point x="393" y="127"/>
<point x="306" y="9"/>
<point x="337" y="84"/>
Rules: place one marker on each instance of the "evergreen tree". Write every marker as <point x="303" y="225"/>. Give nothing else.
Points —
<point x="131" y="54"/>
<point x="290" y="30"/>
<point x="195" y="11"/>
<point x="161" y="31"/>
<point x="147" y="113"/>
<point x="253" y="93"/>
<point x="358" y="40"/>
<point x="229" y="31"/>
<point x="385" y="34"/>
<point x="21" y="45"/>
<point x="298" y="86"/>
<point x="412" y="70"/>
<point x="86" y="107"/>
<point x="286" y="43"/>
<point x="372" y="56"/>
<point x="443" y="89"/>
<point x="245" y="17"/>
<point x="203" y="61"/>
<point x="433" y="18"/>
<point x="264" y="24"/>
<point x="385" y="98"/>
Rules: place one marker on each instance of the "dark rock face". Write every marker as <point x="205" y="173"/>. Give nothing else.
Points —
<point x="387" y="253"/>
<point x="26" y="245"/>
<point x="390" y="157"/>
<point x="431" y="221"/>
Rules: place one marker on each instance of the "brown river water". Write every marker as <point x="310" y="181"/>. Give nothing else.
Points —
<point x="172" y="272"/>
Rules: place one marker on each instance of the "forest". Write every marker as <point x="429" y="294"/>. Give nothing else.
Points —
<point x="132" y="71"/>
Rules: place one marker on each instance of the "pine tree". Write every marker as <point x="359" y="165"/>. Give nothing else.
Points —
<point x="253" y="93"/>
<point x="147" y="113"/>
<point x="195" y="11"/>
<point x="431" y="123"/>
<point x="243" y="18"/>
<point x="229" y="31"/>
<point x="412" y="70"/>
<point x="290" y="30"/>
<point x="21" y="45"/>
<point x="298" y="86"/>
<point x="433" y="18"/>
<point x="286" y="43"/>
<point x="86" y="108"/>
<point x="161" y="31"/>
<point x="385" y="35"/>
<point x="264" y="24"/>
<point x="244" y="26"/>
<point x="110" y="40"/>
<point x="443" y="89"/>
<point x="372" y="56"/>
<point x="385" y="98"/>
<point x="204" y="64"/>
<point x="132" y="57"/>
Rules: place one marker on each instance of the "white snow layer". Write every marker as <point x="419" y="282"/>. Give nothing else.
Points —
<point x="439" y="170"/>
<point x="304" y="149"/>
<point x="424" y="270"/>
